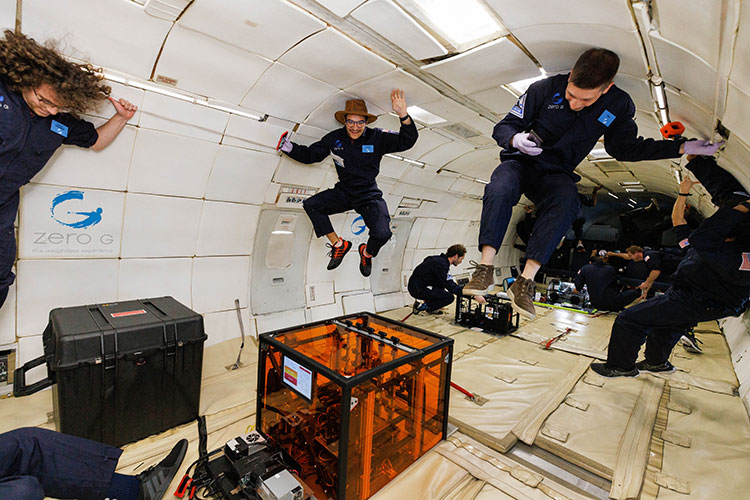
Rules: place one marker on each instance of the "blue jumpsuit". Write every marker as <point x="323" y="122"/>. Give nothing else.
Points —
<point x="35" y="462"/>
<point x="601" y="282"/>
<point x="431" y="281"/>
<point x="357" y="165"/>
<point x="27" y="142"/>
<point x="711" y="282"/>
<point x="548" y="179"/>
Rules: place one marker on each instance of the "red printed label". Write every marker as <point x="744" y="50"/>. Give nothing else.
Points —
<point x="128" y="313"/>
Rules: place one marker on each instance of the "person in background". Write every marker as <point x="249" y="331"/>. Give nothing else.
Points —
<point x="432" y="283"/>
<point x="41" y="95"/>
<point x="600" y="280"/>
<point x="642" y="265"/>
<point x="711" y="282"/>
<point x="545" y="136"/>
<point x="356" y="151"/>
<point x="36" y="462"/>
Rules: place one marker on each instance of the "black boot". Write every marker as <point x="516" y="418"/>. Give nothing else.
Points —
<point x="155" y="480"/>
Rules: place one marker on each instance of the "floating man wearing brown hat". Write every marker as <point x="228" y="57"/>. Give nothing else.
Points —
<point x="356" y="151"/>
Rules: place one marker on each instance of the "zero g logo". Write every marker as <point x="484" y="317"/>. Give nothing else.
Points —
<point x="76" y="220"/>
<point x="557" y="98"/>
<point x="358" y="226"/>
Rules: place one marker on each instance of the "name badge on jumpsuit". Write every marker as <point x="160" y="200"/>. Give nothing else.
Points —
<point x="59" y="128"/>
<point x="368" y="148"/>
<point x="606" y="118"/>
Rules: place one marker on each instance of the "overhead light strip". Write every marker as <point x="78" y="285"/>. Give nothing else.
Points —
<point x="200" y="101"/>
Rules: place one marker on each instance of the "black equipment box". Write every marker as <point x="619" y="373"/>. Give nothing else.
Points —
<point x="496" y="316"/>
<point x="121" y="371"/>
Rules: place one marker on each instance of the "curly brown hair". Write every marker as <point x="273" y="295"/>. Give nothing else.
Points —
<point x="26" y="65"/>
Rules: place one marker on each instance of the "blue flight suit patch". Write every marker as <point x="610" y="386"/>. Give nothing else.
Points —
<point x="517" y="108"/>
<point x="368" y="148"/>
<point x="606" y="118"/>
<point x="59" y="128"/>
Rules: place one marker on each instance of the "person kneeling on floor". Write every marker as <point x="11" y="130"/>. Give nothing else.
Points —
<point x="432" y="282"/>
<point x="711" y="282"/>
<point x="36" y="462"/>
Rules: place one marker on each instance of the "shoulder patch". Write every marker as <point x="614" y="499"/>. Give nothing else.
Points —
<point x="517" y="108"/>
<point x="647" y="257"/>
<point x="684" y="243"/>
<point x="745" y="266"/>
<point x="606" y="118"/>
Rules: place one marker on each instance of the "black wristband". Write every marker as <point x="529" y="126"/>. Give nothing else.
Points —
<point x="404" y="118"/>
<point x="685" y="194"/>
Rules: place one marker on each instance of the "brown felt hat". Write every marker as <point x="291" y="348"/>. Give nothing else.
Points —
<point x="354" y="107"/>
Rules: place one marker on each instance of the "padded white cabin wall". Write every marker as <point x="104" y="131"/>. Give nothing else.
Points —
<point x="130" y="45"/>
<point x="141" y="278"/>
<point x="7" y="14"/>
<point x="738" y="98"/>
<point x="278" y="284"/>
<point x="378" y="89"/>
<point x="496" y="99"/>
<point x="386" y="267"/>
<point x="225" y="325"/>
<point x="240" y="175"/>
<point x="8" y="317"/>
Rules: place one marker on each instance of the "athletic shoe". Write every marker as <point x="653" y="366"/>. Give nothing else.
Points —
<point x="365" y="263"/>
<point x="606" y="370"/>
<point x="690" y="343"/>
<point x="155" y="480"/>
<point x="418" y="307"/>
<point x="337" y="253"/>
<point x="665" y="367"/>
<point x="521" y="294"/>
<point x="481" y="280"/>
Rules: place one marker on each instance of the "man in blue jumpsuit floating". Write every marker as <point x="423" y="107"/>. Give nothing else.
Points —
<point x="40" y="93"/>
<point x="356" y="151"/>
<point x="549" y="131"/>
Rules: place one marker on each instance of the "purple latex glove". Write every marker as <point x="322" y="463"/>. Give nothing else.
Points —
<point x="525" y="145"/>
<point x="284" y="144"/>
<point x="701" y="147"/>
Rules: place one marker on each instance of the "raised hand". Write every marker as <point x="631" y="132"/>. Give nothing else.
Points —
<point x="398" y="101"/>
<point x="124" y="108"/>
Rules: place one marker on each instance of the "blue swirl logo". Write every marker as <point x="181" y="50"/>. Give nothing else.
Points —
<point x="79" y="220"/>
<point x="358" y="226"/>
<point x="557" y="98"/>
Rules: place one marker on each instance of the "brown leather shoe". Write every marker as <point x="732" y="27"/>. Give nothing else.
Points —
<point x="521" y="294"/>
<point x="481" y="280"/>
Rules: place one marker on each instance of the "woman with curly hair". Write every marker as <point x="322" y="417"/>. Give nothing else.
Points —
<point x="41" y="94"/>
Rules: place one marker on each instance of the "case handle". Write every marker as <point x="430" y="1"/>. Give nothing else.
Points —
<point x="19" y="379"/>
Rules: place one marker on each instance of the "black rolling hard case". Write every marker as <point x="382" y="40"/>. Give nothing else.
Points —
<point x="121" y="371"/>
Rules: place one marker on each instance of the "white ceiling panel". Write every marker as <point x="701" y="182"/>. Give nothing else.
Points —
<point x="737" y="111"/>
<point x="378" y="90"/>
<point x="390" y="167"/>
<point x="734" y="160"/>
<point x="558" y="46"/>
<point x="388" y="19"/>
<point x="160" y="226"/>
<point x="647" y="123"/>
<point x="341" y="7"/>
<point x="445" y="153"/>
<point x="740" y="74"/>
<point x="265" y="27"/>
<point x="46" y="284"/>
<point x="172" y="115"/>
<point x="170" y="164"/>
<point x="697" y="120"/>
<point x="696" y="30"/>
<point x="489" y="65"/>
<point x="450" y="234"/>
<point x="482" y="124"/>
<point x="449" y="110"/>
<point x="444" y="205"/>
<point x="249" y="133"/>
<point x="427" y="141"/>
<point x="241" y="175"/>
<point x="155" y="278"/>
<point x="227" y="228"/>
<point x="430" y="231"/>
<point x="206" y="66"/>
<point x="465" y="186"/>
<point x="684" y="70"/>
<point x="426" y="178"/>
<point x="638" y="90"/>
<point x="105" y="169"/>
<point x="352" y="62"/>
<point x="278" y="93"/>
<point x="496" y="99"/>
<point x="130" y="45"/>
<point x="323" y="115"/>
<point x="519" y="13"/>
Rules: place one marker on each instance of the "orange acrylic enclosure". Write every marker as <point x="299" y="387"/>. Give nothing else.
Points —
<point x="355" y="400"/>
